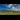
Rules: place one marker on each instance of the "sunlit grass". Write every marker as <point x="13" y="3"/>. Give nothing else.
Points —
<point x="9" y="13"/>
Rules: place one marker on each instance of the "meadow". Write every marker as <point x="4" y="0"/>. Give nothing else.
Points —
<point x="9" y="13"/>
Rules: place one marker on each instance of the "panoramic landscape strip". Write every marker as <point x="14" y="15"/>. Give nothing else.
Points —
<point x="9" y="9"/>
<point x="9" y="13"/>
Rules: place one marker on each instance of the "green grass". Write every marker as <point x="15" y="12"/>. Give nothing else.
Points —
<point x="9" y="13"/>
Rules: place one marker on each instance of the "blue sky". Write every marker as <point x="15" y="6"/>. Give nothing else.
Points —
<point x="9" y="6"/>
<point x="3" y="7"/>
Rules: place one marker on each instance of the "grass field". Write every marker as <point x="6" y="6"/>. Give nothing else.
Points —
<point x="9" y="13"/>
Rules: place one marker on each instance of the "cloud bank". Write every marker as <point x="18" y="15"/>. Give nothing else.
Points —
<point x="15" y="7"/>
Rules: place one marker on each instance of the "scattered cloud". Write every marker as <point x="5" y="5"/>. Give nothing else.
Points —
<point x="17" y="8"/>
<point x="8" y="5"/>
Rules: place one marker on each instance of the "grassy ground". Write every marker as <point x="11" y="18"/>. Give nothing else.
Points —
<point x="9" y="13"/>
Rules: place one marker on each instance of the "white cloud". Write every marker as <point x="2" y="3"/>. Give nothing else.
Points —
<point x="9" y="5"/>
<point x="15" y="9"/>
